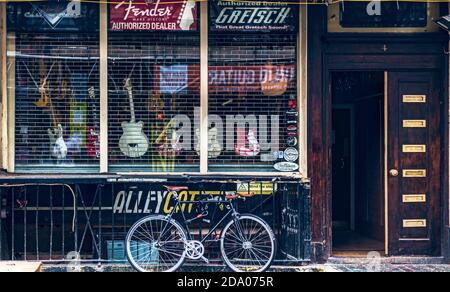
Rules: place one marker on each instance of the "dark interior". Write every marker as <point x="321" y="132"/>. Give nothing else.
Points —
<point x="358" y="162"/>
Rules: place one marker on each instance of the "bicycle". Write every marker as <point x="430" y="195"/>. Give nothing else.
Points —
<point x="161" y="244"/>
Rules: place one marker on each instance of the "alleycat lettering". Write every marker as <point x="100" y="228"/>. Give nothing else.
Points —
<point x="153" y="202"/>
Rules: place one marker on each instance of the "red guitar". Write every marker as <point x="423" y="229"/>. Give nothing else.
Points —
<point x="93" y="133"/>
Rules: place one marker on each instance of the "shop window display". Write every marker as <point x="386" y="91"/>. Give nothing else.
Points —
<point x="53" y="69"/>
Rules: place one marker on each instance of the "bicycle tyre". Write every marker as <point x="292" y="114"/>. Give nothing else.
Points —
<point x="139" y="239"/>
<point x="258" y="226"/>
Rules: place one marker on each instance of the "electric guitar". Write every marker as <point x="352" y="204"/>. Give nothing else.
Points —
<point x="58" y="147"/>
<point x="93" y="133"/>
<point x="214" y="148"/>
<point x="247" y="145"/>
<point x="187" y="18"/>
<point x="133" y="143"/>
<point x="43" y="87"/>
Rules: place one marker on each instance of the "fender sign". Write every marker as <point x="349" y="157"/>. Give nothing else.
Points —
<point x="161" y="15"/>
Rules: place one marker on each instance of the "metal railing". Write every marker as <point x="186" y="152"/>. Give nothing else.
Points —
<point x="51" y="222"/>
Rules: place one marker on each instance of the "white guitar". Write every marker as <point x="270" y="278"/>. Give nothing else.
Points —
<point x="187" y="18"/>
<point x="247" y="145"/>
<point x="133" y="143"/>
<point x="214" y="148"/>
<point x="58" y="147"/>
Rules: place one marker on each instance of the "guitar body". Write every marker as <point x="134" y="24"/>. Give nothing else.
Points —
<point x="214" y="148"/>
<point x="133" y="143"/>
<point x="58" y="147"/>
<point x="247" y="145"/>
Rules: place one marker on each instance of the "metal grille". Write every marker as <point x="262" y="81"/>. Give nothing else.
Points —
<point x="57" y="101"/>
<point x="252" y="90"/>
<point x="163" y="74"/>
<point x="51" y="222"/>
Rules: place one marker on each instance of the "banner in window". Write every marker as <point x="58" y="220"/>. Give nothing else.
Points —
<point x="266" y="79"/>
<point x="42" y="16"/>
<point x="160" y="15"/>
<point x="252" y="16"/>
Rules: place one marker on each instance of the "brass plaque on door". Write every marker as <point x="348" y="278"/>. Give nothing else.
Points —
<point x="416" y="223"/>
<point x="414" y="173"/>
<point x="414" y="98"/>
<point x="414" y="148"/>
<point x="417" y="198"/>
<point x="414" y="123"/>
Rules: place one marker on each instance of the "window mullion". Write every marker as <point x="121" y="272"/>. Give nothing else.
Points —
<point x="204" y="87"/>
<point x="103" y="88"/>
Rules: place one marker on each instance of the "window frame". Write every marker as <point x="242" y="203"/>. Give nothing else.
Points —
<point x="8" y="99"/>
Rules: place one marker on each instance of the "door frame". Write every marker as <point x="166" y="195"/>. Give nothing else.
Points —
<point x="351" y="108"/>
<point x="366" y="53"/>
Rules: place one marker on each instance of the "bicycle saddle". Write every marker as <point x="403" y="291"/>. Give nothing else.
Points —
<point x="176" y="188"/>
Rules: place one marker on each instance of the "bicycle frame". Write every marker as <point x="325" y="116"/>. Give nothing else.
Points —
<point x="178" y="206"/>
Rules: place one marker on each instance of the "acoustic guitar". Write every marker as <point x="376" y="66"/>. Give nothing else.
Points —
<point x="133" y="143"/>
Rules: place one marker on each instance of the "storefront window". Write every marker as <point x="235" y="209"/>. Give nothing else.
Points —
<point x="154" y="87"/>
<point x="53" y="69"/>
<point x="253" y="111"/>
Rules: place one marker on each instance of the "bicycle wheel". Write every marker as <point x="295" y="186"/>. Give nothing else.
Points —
<point x="248" y="244"/>
<point x="156" y="244"/>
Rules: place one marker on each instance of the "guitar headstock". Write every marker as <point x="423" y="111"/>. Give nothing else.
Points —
<point x="127" y="84"/>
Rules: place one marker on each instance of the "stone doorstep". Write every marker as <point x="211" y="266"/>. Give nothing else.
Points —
<point x="186" y="268"/>
<point x="388" y="260"/>
<point x="20" y="267"/>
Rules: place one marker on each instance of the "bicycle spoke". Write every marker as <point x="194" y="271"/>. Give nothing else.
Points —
<point x="164" y="254"/>
<point x="247" y="245"/>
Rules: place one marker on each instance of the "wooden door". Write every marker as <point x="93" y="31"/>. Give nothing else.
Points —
<point x="413" y="163"/>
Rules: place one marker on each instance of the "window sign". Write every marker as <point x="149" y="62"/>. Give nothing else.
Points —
<point x="257" y="16"/>
<point x="160" y="15"/>
<point x="38" y="16"/>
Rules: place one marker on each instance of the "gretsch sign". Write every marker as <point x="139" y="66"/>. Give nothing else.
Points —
<point x="154" y="15"/>
<point x="252" y="16"/>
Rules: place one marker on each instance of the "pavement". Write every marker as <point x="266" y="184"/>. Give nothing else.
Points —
<point x="363" y="266"/>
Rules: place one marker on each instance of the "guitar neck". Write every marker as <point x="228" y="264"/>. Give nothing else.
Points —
<point x="94" y="107"/>
<point x="130" y="95"/>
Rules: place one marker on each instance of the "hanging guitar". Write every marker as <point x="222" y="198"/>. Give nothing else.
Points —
<point x="214" y="148"/>
<point x="58" y="147"/>
<point x="43" y="87"/>
<point x="133" y="143"/>
<point x="247" y="145"/>
<point x="168" y="142"/>
<point x="93" y="133"/>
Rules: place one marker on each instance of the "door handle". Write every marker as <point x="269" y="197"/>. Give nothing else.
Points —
<point x="393" y="172"/>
